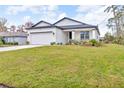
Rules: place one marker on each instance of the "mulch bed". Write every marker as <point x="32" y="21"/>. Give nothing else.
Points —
<point x="4" y="86"/>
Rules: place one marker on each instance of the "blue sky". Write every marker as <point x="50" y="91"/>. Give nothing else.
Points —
<point x="94" y="15"/>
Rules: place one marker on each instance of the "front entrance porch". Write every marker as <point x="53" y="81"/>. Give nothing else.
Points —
<point x="81" y="34"/>
<point x="78" y="35"/>
<point x="70" y="35"/>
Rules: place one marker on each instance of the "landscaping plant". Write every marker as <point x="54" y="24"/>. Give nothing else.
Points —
<point x="93" y="42"/>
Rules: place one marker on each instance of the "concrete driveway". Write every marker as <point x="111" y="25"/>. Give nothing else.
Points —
<point x="18" y="47"/>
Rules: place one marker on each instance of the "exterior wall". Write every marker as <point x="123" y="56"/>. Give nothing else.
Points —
<point x="67" y="22"/>
<point x="77" y="36"/>
<point x="41" y="30"/>
<point x="97" y="35"/>
<point x="19" y="39"/>
<point x="94" y="35"/>
<point x="61" y="37"/>
<point x="91" y="35"/>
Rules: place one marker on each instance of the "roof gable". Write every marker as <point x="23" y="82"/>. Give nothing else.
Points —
<point x="42" y="24"/>
<point x="68" y="21"/>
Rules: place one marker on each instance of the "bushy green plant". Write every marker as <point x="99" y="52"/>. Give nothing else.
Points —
<point x="93" y="42"/>
<point x="11" y="43"/>
<point x="53" y="43"/>
<point x="1" y="42"/>
<point x="15" y="43"/>
<point x="59" y="43"/>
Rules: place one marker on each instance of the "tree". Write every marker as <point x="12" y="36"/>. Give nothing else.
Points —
<point x="3" y="22"/>
<point x="13" y="28"/>
<point x="28" y="24"/>
<point x="21" y="28"/>
<point x="116" y="22"/>
<point x="113" y="9"/>
<point x="108" y="38"/>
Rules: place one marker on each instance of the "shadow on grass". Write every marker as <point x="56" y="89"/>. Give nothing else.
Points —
<point x="5" y="86"/>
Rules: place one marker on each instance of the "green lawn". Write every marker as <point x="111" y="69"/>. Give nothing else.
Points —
<point x="63" y="66"/>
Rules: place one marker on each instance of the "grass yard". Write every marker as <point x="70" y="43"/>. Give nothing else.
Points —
<point x="63" y="66"/>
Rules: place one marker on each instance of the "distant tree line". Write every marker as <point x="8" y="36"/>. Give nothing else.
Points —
<point x="21" y="28"/>
<point x="13" y="28"/>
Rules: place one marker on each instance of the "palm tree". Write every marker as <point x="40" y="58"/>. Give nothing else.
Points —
<point x="114" y="9"/>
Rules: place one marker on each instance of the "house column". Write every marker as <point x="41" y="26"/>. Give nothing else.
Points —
<point x="73" y="33"/>
<point x="93" y="34"/>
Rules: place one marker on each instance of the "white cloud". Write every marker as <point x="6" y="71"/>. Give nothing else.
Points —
<point x="16" y="9"/>
<point x="13" y="10"/>
<point x="49" y="13"/>
<point x="85" y="8"/>
<point x="94" y="15"/>
<point x="62" y="15"/>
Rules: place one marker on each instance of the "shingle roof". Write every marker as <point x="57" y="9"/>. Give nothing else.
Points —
<point x="13" y="34"/>
<point x="41" y="22"/>
<point x="82" y="25"/>
<point x="70" y="19"/>
<point x="78" y="27"/>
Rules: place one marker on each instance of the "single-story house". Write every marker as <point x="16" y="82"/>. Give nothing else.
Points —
<point x="62" y="31"/>
<point x="14" y="37"/>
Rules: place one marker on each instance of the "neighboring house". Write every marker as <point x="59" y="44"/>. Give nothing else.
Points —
<point x="62" y="31"/>
<point x="11" y="37"/>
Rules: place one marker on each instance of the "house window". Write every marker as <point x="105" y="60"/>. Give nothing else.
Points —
<point x="84" y="35"/>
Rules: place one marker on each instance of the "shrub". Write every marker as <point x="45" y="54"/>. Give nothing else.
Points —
<point x="86" y="43"/>
<point x="93" y="42"/>
<point x="52" y="43"/>
<point x="15" y="43"/>
<point x="108" y="38"/>
<point x="67" y="43"/>
<point x="98" y="44"/>
<point x="73" y="42"/>
<point x="59" y="43"/>
<point x="11" y="43"/>
<point x="1" y="42"/>
<point x="27" y="42"/>
<point x="119" y="40"/>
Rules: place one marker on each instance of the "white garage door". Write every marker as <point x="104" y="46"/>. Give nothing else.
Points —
<point x="41" y="38"/>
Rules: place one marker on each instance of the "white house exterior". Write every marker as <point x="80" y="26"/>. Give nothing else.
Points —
<point x="61" y="32"/>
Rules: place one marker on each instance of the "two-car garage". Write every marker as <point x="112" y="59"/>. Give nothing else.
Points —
<point x="44" y="38"/>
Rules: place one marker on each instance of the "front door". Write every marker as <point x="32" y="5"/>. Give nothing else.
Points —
<point x="70" y="35"/>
